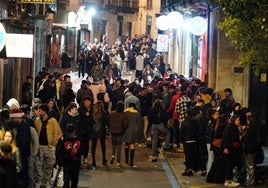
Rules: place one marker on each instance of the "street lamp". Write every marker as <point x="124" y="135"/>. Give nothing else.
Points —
<point x="196" y="25"/>
<point x="161" y="23"/>
<point x="175" y="20"/>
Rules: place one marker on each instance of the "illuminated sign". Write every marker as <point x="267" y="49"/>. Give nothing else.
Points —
<point x="162" y="43"/>
<point x="2" y="37"/>
<point x="19" y="45"/>
<point x="39" y="1"/>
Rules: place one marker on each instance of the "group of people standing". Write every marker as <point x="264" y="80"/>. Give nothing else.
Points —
<point x="46" y="135"/>
<point x="59" y="124"/>
<point x="137" y="57"/>
<point x="219" y="137"/>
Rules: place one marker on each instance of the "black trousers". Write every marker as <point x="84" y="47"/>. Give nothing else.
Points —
<point x="229" y="165"/>
<point x="190" y="151"/>
<point x="85" y="148"/>
<point x="71" y="176"/>
<point x="94" y="146"/>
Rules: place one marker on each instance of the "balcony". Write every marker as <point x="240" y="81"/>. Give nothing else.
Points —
<point x="194" y="7"/>
<point x="125" y="6"/>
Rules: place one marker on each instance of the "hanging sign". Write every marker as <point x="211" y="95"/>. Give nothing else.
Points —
<point x="39" y="1"/>
<point x="2" y="37"/>
<point x="162" y="43"/>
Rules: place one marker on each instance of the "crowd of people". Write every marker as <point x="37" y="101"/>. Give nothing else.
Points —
<point x="58" y="126"/>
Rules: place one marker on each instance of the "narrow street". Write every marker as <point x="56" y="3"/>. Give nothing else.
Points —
<point x="166" y="172"/>
<point x="145" y="174"/>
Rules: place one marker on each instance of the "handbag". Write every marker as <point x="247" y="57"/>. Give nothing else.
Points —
<point x="217" y="142"/>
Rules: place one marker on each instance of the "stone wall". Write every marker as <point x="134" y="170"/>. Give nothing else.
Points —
<point x="229" y="74"/>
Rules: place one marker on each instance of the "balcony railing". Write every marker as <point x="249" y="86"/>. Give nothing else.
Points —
<point x="127" y="6"/>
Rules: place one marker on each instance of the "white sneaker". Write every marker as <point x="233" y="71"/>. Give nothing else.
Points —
<point x="231" y="184"/>
<point x="142" y="145"/>
<point x="152" y="158"/>
<point x="149" y="139"/>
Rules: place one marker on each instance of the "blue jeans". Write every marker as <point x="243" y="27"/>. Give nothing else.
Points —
<point x="156" y="129"/>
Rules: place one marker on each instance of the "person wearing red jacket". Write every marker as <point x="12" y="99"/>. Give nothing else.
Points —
<point x="175" y="117"/>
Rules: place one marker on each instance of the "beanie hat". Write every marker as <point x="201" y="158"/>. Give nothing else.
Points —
<point x="13" y="104"/>
<point x="16" y="113"/>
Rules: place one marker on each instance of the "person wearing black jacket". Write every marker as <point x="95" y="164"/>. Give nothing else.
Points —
<point x="8" y="173"/>
<point x="229" y="138"/>
<point x="188" y="136"/>
<point x="249" y="144"/>
<point x="70" y="116"/>
<point x="84" y="128"/>
<point x="157" y="116"/>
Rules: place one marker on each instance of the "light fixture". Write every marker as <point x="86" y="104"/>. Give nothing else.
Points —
<point x="198" y="25"/>
<point x="162" y="22"/>
<point x="2" y="37"/>
<point x="175" y="19"/>
<point x="72" y="19"/>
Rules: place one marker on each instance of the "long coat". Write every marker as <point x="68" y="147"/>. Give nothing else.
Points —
<point x="133" y="133"/>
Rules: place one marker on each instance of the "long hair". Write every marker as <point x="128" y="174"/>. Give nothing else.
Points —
<point x="221" y="120"/>
<point x="97" y="110"/>
<point x="120" y="107"/>
<point x="55" y="107"/>
<point x="232" y="120"/>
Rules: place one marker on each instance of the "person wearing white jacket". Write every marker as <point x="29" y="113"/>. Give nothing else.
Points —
<point x="139" y="66"/>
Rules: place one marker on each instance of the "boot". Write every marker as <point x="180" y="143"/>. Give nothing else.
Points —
<point x="132" y="152"/>
<point x="127" y="154"/>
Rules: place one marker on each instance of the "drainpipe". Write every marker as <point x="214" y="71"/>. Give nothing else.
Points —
<point x="208" y="46"/>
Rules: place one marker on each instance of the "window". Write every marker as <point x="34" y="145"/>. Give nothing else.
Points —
<point x="120" y="25"/>
<point x="149" y="4"/>
<point x="129" y="29"/>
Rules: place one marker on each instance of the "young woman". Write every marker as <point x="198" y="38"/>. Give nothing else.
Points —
<point x="230" y="136"/>
<point x="9" y="138"/>
<point x="212" y="116"/>
<point x="53" y="109"/>
<point x="99" y="123"/>
<point x="116" y="125"/>
<point x="133" y="132"/>
<point x="216" y="173"/>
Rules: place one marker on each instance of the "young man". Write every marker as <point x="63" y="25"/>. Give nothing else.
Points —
<point x="49" y="132"/>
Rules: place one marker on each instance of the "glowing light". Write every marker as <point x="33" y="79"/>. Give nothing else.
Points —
<point x="198" y="25"/>
<point x="162" y="23"/>
<point x="175" y="19"/>
<point x="71" y="18"/>
<point x="92" y="11"/>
